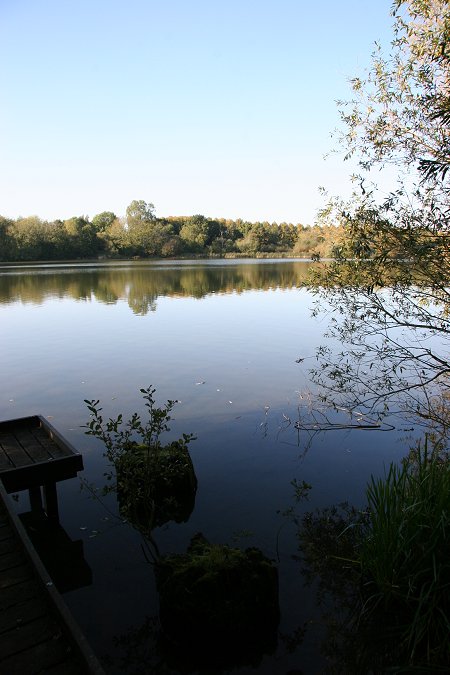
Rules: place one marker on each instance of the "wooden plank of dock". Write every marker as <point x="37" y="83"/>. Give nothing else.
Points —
<point x="33" y="453"/>
<point x="37" y="632"/>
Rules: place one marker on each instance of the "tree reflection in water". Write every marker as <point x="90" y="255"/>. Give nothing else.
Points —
<point x="142" y="284"/>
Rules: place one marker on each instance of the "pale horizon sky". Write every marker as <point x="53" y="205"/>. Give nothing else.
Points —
<point x="219" y="108"/>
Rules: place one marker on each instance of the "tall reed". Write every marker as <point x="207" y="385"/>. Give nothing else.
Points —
<point x="405" y="556"/>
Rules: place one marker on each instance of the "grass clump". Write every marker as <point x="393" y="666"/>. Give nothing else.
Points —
<point x="405" y="555"/>
<point x="387" y="569"/>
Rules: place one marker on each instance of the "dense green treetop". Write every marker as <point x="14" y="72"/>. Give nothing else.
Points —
<point x="102" y="221"/>
<point x="139" y="211"/>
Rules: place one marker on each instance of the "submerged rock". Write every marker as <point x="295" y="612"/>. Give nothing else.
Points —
<point x="218" y="605"/>
<point x="156" y="485"/>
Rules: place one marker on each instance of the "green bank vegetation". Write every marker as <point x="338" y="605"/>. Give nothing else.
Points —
<point x="387" y="569"/>
<point x="141" y="234"/>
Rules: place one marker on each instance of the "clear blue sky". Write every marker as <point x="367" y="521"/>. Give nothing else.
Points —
<point x="220" y="108"/>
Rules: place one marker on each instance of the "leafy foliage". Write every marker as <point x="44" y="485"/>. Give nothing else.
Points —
<point x="388" y="287"/>
<point x="388" y="284"/>
<point x="154" y="483"/>
<point x="398" y="109"/>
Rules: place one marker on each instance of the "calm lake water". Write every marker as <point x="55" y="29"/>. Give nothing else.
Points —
<point x="223" y="338"/>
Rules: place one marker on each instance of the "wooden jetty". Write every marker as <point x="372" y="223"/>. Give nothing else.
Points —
<point x="38" y="634"/>
<point x="34" y="457"/>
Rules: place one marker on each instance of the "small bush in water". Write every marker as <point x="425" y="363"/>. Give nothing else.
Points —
<point x="155" y="483"/>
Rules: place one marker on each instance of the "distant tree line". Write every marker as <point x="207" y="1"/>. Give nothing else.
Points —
<point x="141" y="234"/>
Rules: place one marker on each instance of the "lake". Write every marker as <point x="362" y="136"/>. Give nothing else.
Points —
<point x="223" y="338"/>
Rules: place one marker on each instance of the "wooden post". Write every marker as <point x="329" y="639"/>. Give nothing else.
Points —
<point x="35" y="496"/>
<point x="51" y="502"/>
